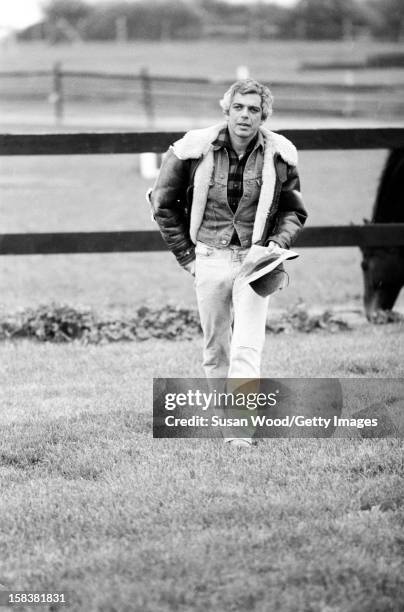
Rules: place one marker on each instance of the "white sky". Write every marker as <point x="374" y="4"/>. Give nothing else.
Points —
<point x="21" y="13"/>
<point x="18" y="13"/>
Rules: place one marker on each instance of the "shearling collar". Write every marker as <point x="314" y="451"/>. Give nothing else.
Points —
<point x="197" y="143"/>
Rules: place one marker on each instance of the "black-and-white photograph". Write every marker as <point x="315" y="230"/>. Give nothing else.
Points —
<point x="202" y="305"/>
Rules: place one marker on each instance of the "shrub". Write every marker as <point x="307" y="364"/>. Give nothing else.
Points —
<point x="62" y="323"/>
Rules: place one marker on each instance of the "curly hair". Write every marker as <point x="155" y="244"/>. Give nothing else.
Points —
<point x="248" y="86"/>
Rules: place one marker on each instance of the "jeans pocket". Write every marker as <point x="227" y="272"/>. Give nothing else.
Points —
<point x="203" y="249"/>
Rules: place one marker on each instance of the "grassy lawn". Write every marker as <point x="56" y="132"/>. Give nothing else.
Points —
<point x="91" y="504"/>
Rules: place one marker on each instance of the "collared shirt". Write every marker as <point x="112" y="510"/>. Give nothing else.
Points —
<point x="236" y="165"/>
<point x="236" y="169"/>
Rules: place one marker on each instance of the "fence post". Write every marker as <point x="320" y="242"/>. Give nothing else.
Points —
<point x="56" y="97"/>
<point x="147" y="96"/>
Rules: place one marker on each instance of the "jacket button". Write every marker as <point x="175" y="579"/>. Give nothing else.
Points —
<point x="224" y="241"/>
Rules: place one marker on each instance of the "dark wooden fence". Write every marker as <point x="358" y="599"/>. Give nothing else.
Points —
<point x="117" y="143"/>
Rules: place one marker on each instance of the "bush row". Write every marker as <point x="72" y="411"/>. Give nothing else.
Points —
<point x="63" y="323"/>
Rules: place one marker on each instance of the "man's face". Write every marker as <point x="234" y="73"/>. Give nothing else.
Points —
<point x="245" y="115"/>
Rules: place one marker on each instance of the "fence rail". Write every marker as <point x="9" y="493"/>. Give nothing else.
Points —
<point x="391" y="234"/>
<point x="380" y="235"/>
<point x="157" y="142"/>
<point x="159" y="78"/>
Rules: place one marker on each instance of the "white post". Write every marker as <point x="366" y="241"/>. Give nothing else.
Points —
<point x="242" y="72"/>
<point x="149" y="168"/>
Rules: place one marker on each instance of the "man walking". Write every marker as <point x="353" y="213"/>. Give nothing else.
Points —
<point x="221" y="190"/>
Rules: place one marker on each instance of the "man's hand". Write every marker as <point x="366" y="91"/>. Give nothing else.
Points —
<point x="272" y="245"/>
<point x="190" y="267"/>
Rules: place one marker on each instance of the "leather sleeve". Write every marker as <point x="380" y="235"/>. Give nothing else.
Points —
<point x="291" y="214"/>
<point x="168" y="201"/>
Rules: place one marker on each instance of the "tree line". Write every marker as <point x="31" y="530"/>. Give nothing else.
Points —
<point x="178" y="19"/>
